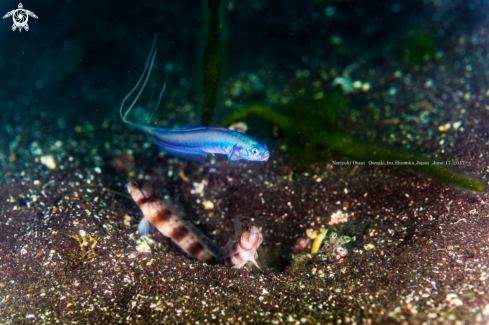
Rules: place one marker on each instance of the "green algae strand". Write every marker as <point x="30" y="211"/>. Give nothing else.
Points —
<point x="212" y="59"/>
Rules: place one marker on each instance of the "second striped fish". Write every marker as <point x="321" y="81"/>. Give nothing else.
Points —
<point x="167" y="220"/>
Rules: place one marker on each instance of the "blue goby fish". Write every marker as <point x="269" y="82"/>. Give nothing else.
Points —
<point x="196" y="141"/>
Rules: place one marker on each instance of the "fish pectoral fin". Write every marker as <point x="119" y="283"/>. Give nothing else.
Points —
<point x="240" y="265"/>
<point x="144" y="227"/>
<point x="234" y="155"/>
<point x="196" y="155"/>
<point x="255" y="264"/>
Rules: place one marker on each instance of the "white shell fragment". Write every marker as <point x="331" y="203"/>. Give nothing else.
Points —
<point x="48" y="161"/>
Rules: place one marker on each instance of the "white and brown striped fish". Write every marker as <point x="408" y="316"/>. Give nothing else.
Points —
<point x="167" y="219"/>
<point x="242" y="249"/>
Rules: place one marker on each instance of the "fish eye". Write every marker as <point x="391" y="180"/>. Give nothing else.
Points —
<point x="255" y="151"/>
<point x="134" y="184"/>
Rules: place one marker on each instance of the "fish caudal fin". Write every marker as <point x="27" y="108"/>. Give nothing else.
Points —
<point x="145" y="128"/>
<point x="144" y="79"/>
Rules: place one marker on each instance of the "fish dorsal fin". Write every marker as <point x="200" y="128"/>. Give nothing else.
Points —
<point x="228" y="246"/>
<point x="231" y="248"/>
<point x="221" y="129"/>
<point x="175" y="207"/>
<point x="193" y="126"/>
<point x="208" y="243"/>
<point x="238" y="229"/>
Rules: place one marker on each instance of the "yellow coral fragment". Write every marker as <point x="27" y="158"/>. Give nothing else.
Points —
<point x="318" y="241"/>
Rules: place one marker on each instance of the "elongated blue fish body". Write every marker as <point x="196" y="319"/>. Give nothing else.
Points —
<point x="195" y="142"/>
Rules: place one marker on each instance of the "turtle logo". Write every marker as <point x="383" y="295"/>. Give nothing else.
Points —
<point x="20" y="17"/>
